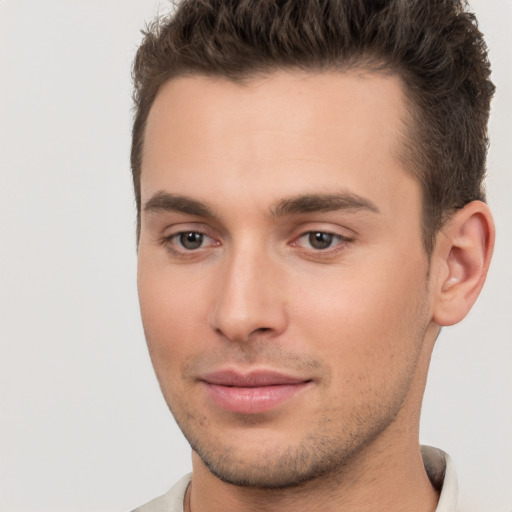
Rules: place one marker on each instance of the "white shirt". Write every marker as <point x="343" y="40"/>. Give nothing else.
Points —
<point x="437" y="463"/>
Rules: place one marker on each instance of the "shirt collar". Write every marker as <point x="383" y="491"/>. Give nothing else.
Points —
<point x="441" y="472"/>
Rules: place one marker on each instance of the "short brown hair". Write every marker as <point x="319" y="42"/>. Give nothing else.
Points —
<point x="435" y="46"/>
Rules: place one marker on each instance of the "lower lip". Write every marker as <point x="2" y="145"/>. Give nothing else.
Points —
<point x="253" y="400"/>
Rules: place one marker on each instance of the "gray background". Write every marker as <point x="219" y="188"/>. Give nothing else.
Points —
<point x="82" y="424"/>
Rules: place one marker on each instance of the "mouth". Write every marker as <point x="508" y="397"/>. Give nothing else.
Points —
<point x="252" y="393"/>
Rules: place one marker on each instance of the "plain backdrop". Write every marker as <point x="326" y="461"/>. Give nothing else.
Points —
<point x="83" y="426"/>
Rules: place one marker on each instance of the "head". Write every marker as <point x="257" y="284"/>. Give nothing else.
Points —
<point x="308" y="179"/>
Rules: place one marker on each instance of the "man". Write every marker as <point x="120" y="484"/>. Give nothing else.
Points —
<point x="308" y="177"/>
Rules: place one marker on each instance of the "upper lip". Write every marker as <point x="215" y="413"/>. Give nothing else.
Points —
<point x="258" y="378"/>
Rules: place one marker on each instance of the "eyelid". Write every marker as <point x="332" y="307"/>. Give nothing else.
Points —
<point x="324" y="227"/>
<point x="188" y="227"/>
<point x="340" y="237"/>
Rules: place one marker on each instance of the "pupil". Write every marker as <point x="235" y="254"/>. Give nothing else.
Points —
<point x="320" y="240"/>
<point x="191" y="240"/>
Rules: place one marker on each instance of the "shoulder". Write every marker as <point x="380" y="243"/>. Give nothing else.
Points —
<point x="171" y="501"/>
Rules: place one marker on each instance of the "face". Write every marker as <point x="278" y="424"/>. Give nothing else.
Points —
<point x="282" y="277"/>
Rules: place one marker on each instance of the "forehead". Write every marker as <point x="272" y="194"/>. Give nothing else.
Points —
<point x="281" y="134"/>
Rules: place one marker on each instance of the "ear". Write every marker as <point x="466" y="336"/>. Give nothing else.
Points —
<point x="461" y="257"/>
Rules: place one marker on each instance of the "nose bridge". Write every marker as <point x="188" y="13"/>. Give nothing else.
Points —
<point x="249" y="294"/>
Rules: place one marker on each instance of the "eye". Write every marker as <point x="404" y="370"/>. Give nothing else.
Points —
<point x="186" y="242"/>
<point x="320" y="240"/>
<point x="191" y="240"/>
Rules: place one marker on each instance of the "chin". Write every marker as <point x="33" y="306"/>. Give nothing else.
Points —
<point x="276" y="465"/>
<point x="290" y="470"/>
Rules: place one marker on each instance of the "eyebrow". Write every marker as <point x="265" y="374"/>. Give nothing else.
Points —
<point x="311" y="203"/>
<point x="165" y="202"/>
<point x="308" y="203"/>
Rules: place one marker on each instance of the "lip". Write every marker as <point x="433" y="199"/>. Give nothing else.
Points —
<point x="254" y="392"/>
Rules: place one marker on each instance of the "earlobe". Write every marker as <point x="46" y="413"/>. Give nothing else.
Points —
<point x="463" y="253"/>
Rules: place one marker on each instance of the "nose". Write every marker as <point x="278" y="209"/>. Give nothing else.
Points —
<point x="250" y="298"/>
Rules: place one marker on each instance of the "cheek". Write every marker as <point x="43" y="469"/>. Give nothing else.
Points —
<point x="174" y="316"/>
<point x="367" y="323"/>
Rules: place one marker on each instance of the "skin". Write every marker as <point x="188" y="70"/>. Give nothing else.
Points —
<point x="356" y="319"/>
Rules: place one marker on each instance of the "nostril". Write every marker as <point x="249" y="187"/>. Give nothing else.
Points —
<point x="263" y="329"/>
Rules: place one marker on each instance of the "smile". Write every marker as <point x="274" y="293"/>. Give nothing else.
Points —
<point x="252" y="393"/>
